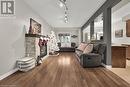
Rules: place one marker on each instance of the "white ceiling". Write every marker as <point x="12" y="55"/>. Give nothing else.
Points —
<point x="79" y="11"/>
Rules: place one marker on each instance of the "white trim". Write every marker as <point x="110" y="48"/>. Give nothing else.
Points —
<point x="15" y="70"/>
<point x="8" y="73"/>
<point x="45" y="57"/>
<point x="106" y="66"/>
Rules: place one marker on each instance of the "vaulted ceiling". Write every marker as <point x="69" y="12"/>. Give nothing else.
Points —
<point x="79" y="11"/>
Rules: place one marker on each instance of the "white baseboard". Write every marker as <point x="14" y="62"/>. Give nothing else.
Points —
<point x="107" y="66"/>
<point x="45" y="57"/>
<point x="8" y="73"/>
<point x="15" y="70"/>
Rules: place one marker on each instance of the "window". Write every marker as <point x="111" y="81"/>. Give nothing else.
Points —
<point x="98" y="27"/>
<point x="64" y="38"/>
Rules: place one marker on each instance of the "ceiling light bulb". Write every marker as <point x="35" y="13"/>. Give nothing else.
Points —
<point x="66" y="15"/>
<point x="61" y="4"/>
<point x="66" y="21"/>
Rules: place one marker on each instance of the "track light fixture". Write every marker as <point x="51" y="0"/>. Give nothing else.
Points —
<point x="63" y="3"/>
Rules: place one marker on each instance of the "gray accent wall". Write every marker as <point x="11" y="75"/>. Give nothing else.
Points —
<point x="91" y="29"/>
<point x="106" y="10"/>
<point x="107" y="4"/>
<point x="107" y="34"/>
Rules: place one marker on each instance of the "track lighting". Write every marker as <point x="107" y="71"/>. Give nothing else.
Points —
<point x="64" y="4"/>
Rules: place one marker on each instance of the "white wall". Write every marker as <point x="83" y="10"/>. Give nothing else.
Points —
<point x="12" y="35"/>
<point x="118" y="26"/>
<point x="72" y="31"/>
<point x="119" y="23"/>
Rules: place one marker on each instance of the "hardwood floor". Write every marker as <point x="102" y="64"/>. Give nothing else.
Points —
<point x="64" y="71"/>
<point x="124" y="73"/>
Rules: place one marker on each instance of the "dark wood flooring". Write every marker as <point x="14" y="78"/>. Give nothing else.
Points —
<point x="64" y="71"/>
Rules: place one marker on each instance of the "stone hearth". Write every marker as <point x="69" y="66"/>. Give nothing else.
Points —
<point x="32" y="47"/>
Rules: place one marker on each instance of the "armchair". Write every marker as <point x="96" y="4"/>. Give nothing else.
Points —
<point x="90" y="60"/>
<point x="94" y="58"/>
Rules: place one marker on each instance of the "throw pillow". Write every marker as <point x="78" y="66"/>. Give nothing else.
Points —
<point x="79" y="46"/>
<point x="82" y="46"/>
<point x="88" y="49"/>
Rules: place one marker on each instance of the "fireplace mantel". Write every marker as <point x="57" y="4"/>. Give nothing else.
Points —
<point x="33" y="35"/>
<point x="32" y="47"/>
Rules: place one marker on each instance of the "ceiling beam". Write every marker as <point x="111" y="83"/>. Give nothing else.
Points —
<point x="107" y="4"/>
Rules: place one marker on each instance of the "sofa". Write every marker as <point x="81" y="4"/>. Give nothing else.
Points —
<point x="67" y="48"/>
<point x="94" y="58"/>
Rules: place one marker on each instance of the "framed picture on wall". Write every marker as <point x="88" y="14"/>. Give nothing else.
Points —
<point x="35" y="27"/>
<point x="119" y="33"/>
